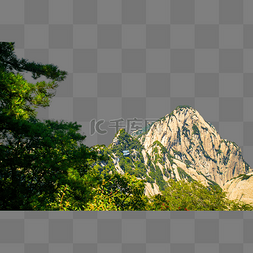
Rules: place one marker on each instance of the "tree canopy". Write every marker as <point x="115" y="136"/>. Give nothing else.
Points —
<point x="45" y="166"/>
<point x="36" y="157"/>
<point x="18" y="97"/>
<point x="42" y="163"/>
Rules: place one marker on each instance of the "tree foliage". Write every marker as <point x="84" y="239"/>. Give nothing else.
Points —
<point x="45" y="166"/>
<point x="193" y="196"/>
<point x="18" y="97"/>
<point x="36" y="158"/>
<point x="118" y="192"/>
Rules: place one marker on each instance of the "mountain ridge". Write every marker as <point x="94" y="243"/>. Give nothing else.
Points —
<point x="180" y="145"/>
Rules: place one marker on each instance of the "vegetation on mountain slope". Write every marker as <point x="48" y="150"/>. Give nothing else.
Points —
<point x="45" y="166"/>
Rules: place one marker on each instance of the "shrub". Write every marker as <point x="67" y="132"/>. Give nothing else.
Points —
<point x="195" y="129"/>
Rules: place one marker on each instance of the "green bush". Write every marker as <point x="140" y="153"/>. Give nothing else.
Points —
<point x="185" y="131"/>
<point x="245" y="177"/>
<point x="150" y="180"/>
<point x="188" y="163"/>
<point x="193" y="196"/>
<point x="184" y="175"/>
<point x="195" y="129"/>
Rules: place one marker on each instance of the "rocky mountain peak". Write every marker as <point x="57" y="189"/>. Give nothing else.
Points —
<point x="181" y="145"/>
<point x="189" y="138"/>
<point x="181" y="118"/>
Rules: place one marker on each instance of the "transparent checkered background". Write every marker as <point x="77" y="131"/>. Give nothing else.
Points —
<point x="137" y="58"/>
<point x="126" y="232"/>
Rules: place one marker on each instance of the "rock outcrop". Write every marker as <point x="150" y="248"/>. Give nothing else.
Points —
<point x="181" y="145"/>
<point x="189" y="138"/>
<point x="240" y="188"/>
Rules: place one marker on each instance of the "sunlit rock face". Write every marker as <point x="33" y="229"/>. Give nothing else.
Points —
<point x="240" y="188"/>
<point x="185" y="131"/>
<point x="179" y="146"/>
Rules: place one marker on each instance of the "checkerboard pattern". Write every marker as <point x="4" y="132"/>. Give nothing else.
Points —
<point x="116" y="232"/>
<point x="137" y="59"/>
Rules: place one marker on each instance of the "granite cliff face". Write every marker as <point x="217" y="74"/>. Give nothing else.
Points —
<point x="181" y="145"/>
<point x="240" y="188"/>
<point x="190" y="139"/>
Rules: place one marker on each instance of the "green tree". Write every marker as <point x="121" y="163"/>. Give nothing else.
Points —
<point x="18" y="97"/>
<point x="37" y="159"/>
<point x="193" y="196"/>
<point x="44" y="165"/>
<point x="118" y="192"/>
